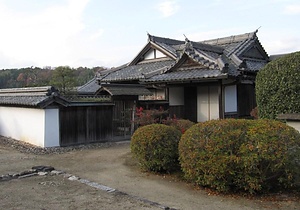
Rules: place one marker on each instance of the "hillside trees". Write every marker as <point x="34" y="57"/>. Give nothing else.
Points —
<point x="63" y="79"/>
<point x="35" y="76"/>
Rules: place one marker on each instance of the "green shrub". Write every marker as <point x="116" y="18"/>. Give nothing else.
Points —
<point x="278" y="86"/>
<point x="156" y="147"/>
<point x="180" y="124"/>
<point x="240" y="155"/>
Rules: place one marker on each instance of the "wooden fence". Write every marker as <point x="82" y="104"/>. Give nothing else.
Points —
<point x="86" y="124"/>
<point x="101" y="123"/>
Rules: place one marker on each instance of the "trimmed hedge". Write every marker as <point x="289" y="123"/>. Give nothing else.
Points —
<point x="156" y="147"/>
<point x="180" y="124"/>
<point x="240" y="155"/>
<point x="278" y="87"/>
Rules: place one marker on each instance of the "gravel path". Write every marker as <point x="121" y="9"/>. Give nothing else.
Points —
<point x="111" y="165"/>
<point x="24" y="147"/>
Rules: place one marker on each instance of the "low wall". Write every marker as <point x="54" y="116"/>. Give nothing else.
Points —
<point x="35" y="126"/>
<point x="292" y="120"/>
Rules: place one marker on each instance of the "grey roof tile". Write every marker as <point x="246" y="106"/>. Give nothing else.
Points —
<point x="253" y="65"/>
<point x="136" y="72"/>
<point x="124" y="89"/>
<point x="212" y="54"/>
<point x="33" y="96"/>
<point x="168" y="48"/>
<point x="186" y="75"/>
<point x="91" y="87"/>
<point x="22" y="100"/>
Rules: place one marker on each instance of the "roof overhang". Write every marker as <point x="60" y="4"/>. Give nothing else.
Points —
<point x="37" y="97"/>
<point x="124" y="89"/>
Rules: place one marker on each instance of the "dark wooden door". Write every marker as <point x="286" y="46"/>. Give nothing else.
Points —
<point x="122" y="119"/>
<point x="86" y="124"/>
<point x="190" y="103"/>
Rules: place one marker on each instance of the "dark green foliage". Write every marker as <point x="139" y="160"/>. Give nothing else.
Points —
<point x="63" y="79"/>
<point x="240" y="155"/>
<point x="155" y="147"/>
<point x="278" y="87"/>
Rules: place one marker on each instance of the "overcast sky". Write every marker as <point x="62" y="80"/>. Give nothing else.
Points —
<point x="110" y="33"/>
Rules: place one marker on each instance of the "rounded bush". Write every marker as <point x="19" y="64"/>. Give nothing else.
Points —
<point x="156" y="147"/>
<point x="240" y="155"/>
<point x="180" y="124"/>
<point x="277" y="87"/>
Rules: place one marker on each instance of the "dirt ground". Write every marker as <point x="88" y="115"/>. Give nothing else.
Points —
<point x="113" y="167"/>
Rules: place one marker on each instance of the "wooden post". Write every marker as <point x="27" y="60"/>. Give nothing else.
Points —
<point x="133" y="117"/>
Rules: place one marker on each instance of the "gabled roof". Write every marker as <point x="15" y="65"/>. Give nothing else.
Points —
<point x="238" y="47"/>
<point x="209" y="59"/>
<point x="40" y="97"/>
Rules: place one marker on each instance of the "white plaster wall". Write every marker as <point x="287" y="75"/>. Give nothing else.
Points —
<point x="51" y="128"/>
<point x="23" y="124"/>
<point x="160" y="54"/>
<point x="202" y="104"/>
<point x="149" y="55"/>
<point x="214" y="103"/>
<point x="36" y="126"/>
<point x="207" y="103"/>
<point x="230" y="98"/>
<point x="176" y="96"/>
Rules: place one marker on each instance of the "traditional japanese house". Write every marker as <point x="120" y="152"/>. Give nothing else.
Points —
<point x="195" y="80"/>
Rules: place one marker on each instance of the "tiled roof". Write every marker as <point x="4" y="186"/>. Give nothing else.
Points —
<point x="135" y="72"/>
<point x="91" y="87"/>
<point x="187" y="74"/>
<point x="213" y="55"/>
<point x="35" y="96"/>
<point x="236" y="44"/>
<point x="125" y="89"/>
<point x="22" y="100"/>
<point x="253" y="65"/>
<point x="230" y="43"/>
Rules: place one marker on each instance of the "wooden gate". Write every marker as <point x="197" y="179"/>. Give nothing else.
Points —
<point x="85" y="124"/>
<point x="122" y="119"/>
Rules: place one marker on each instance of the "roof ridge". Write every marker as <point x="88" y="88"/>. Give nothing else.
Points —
<point x="231" y="39"/>
<point x="43" y="90"/>
<point x="164" y="40"/>
<point x="208" y="47"/>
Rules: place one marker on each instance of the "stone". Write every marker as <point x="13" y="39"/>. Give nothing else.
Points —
<point x="57" y="172"/>
<point x="42" y="173"/>
<point x="66" y="175"/>
<point x="26" y="172"/>
<point x="73" y="178"/>
<point x="27" y="175"/>
<point x="5" y="177"/>
<point x="15" y="176"/>
<point x="43" y="168"/>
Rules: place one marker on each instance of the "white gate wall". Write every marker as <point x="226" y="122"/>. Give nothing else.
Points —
<point x="28" y="125"/>
<point x="51" y="128"/>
